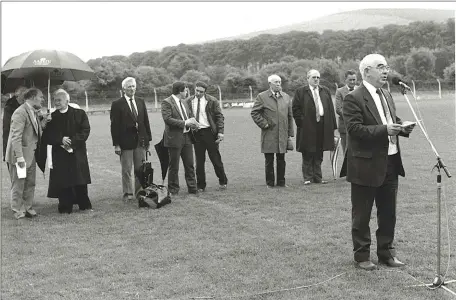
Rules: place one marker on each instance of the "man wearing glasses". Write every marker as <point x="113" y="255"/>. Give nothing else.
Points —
<point x="373" y="161"/>
<point x="313" y="111"/>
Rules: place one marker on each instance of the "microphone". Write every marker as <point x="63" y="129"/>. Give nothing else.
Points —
<point x="398" y="81"/>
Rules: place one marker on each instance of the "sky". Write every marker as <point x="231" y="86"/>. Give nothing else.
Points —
<point x="95" y="29"/>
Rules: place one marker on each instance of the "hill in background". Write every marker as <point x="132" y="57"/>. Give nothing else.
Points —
<point x="357" y="19"/>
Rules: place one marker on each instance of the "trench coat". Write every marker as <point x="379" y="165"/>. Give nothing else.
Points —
<point x="278" y="114"/>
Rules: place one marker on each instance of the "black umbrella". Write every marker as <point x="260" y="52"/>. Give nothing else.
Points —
<point x="163" y="156"/>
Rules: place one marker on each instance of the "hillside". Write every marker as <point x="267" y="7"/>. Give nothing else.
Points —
<point x="357" y="19"/>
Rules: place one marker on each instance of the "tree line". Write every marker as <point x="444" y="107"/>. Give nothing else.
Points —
<point x="420" y="51"/>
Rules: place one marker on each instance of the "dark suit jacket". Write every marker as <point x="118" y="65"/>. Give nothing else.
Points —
<point x="367" y="138"/>
<point x="340" y="95"/>
<point x="10" y="106"/>
<point x="213" y="113"/>
<point x="123" y="128"/>
<point x="173" y="136"/>
<point x="304" y="113"/>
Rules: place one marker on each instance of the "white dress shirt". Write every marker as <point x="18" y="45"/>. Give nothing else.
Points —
<point x="134" y="103"/>
<point x="202" y="119"/>
<point x="177" y="101"/>
<point x="320" y="105"/>
<point x="392" y="148"/>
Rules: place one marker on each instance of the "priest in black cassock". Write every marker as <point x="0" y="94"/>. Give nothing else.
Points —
<point x="67" y="132"/>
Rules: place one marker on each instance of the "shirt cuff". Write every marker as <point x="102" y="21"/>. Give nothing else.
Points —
<point x="20" y="159"/>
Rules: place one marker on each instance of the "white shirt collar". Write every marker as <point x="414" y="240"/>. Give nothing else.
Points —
<point x="372" y="89"/>
<point x="128" y="98"/>
<point x="175" y="98"/>
<point x="64" y="111"/>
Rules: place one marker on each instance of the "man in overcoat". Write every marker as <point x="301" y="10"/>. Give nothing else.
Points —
<point x="272" y="113"/>
<point x="313" y="111"/>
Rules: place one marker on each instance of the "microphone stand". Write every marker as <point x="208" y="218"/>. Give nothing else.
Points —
<point x="439" y="280"/>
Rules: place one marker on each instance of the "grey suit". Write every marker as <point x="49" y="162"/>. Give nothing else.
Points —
<point x="179" y="144"/>
<point x="22" y="142"/>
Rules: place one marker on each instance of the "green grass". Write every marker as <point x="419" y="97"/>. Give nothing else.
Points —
<point x="246" y="242"/>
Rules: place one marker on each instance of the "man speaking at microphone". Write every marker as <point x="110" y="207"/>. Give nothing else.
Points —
<point x="373" y="161"/>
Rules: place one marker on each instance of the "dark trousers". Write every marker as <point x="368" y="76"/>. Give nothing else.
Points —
<point x="205" y="140"/>
<point x="74" y="195"/>
<point x="311" y="161"/>
<point x="269" y="168"/>
<point x="362" y="198"/>
<point x="186" y="153"/>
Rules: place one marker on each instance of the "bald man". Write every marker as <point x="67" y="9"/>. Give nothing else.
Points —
<point x="313" y="111"/>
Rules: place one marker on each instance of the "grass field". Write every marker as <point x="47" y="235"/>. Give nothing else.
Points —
<point x="247" y="242"/>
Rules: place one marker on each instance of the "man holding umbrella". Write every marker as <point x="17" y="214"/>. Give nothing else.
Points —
<point x="25" y="134"/>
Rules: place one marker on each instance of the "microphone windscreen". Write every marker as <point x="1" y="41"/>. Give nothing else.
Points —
<point x="396" y="80"/>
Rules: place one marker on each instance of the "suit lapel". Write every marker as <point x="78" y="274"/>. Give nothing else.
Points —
<point x="127" y="107"/>
<point x="173" y="103"/>
<point x="371" y="105"/>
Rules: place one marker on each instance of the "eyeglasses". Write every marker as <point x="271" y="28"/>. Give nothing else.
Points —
<point x="315" y="77"/>
<point x="383" y="68"/>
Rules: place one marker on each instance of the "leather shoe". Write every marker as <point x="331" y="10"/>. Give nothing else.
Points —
<point x="307" y="182"/>
<point x="30" y="213"/>
<point x="201" y="190"/>
<point x="269" y="186"/>
<point x="282" y="185"/>
<point x="223" y="186"/>
<point x="19" y="215"/>
<point x="392" y="262"/>
<point x="366" y="265"/>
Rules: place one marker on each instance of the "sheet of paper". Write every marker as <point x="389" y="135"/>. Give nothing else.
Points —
<point x="21" y="172"/>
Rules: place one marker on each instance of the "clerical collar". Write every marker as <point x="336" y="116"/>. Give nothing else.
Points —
<point x="64" y="110"/>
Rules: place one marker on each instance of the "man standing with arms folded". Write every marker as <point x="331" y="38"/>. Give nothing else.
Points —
<point x="315" y="119"/>
<point x="350" y="84"/>
<point x="373" y="161"/>
<point x="179" y="122"/>
<point x="208" y="114"/>
<point x="131" y="136"/>
<point x="272" y="113"/>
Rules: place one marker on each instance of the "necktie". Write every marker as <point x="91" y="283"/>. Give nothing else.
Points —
<point x="198" y="110"/>
<point x="133" y="110"/>
<point x="317" y="106"/>
<point x="389" y="119"/>
<point x="183" y="111"/>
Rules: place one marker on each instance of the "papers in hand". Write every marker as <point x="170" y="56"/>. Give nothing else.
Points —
<point x="407" y="124"/>
<point x="68" y="149"/>
<point x="21" y="172"/>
